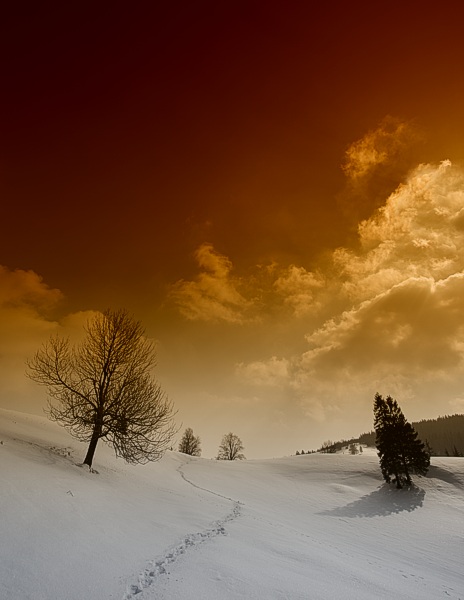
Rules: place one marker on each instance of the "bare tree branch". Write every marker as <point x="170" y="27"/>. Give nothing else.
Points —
<point x="190" y="443"/>
<point x="230" y="448"/>
<point x="103" y="388"/>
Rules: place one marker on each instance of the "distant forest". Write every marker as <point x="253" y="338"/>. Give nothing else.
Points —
<point x="445" y="435"/>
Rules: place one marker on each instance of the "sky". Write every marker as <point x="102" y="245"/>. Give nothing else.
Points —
<point x="276" y="192"/>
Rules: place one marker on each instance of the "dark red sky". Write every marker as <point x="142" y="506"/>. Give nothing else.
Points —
<point x="126" y="130"/>
<point x="185" y="161"/>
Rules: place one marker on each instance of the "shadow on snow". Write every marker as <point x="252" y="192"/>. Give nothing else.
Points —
<point x="384" y="501"/>
<point x="444" y="475"/>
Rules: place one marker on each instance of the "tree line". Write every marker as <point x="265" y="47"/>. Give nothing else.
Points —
<point x="444" y="435"/>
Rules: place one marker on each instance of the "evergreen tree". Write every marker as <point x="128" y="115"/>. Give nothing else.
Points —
<point x="190" y="443"/>
<point x="400" y="452"/>
<point x="456" y="452"/>
<point x="353" y="449"/>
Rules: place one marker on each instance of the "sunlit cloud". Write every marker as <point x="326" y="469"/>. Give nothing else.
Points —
<point x="25" y="288"/>
<point x="378" y="147"/>
<point x="416" y="233"/>
<point x="273" y="372"/>
<point x="25" y="304"/>
<point x="297" y="287"/>
<point x="403" y="288"/>
<point x="413" y="328"/>
<point x="214" y="295"/>
<point x="396" y="303"/>
<point x="27" y="320"/>
<point x="376" y="164"/>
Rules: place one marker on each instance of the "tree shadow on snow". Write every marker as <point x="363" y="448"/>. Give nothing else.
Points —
<point x="444" y="475"/>
<point x="384" y="501"/>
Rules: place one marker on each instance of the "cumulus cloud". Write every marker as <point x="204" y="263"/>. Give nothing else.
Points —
<point x="24" y="301"/>
<point x="218" y="295"/>
<point x="375" y="164"/>
<point x="214" y="295"/>
<point x="413" y="328"/>
<point x="25" y="306"/>
<point x="403" y="288"/>
<point x="416" y="233"/>
<point x="378" y="147"/>
<point x="272" y="372"/>
<point x="396" y="303"/>
<point x="297" y="287"/>
<point x="25" y="288"/>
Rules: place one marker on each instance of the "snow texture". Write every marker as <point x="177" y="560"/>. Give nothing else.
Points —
<point x="310" y="527"/>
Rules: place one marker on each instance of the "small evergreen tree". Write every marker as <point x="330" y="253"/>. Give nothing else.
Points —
<point x="400" y="452"/>
<point x="190" y="443"/>
<point x="456" y="452"/>
<point x="428" y="448"/>
<point x="353" y="449"/>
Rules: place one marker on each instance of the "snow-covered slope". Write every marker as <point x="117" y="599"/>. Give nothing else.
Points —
<point x="304" y="527"/>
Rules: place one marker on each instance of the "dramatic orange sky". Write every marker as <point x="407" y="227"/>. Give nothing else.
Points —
<point x="276" y="190"/>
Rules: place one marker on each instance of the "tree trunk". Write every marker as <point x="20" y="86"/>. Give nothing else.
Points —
<point x="93" y="445"/>
<point x="406" y="472"/>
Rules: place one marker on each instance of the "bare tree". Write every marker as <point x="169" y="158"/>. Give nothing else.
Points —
<point x="328" y="447"/>
<point x="231" y="448"/>
<point x="190" y="444"/>
<point x="103" y="388"/>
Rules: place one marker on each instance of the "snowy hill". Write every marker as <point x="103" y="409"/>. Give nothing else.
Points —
<point x="304" y="527"/>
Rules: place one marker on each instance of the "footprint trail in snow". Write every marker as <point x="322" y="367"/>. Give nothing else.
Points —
<point x="158" y="567"/>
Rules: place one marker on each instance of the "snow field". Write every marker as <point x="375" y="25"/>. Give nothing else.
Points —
<point x="313" y="527"/>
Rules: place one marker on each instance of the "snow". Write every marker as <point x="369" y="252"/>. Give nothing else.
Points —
<point x="304" y="527"/>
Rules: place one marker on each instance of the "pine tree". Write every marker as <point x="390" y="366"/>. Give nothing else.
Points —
<point x="456" y="452"/>
<point x="400" y="452"/>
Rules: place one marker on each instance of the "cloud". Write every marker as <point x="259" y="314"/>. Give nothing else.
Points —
<point x="378" y="147"/>
<point x="25" y="306"/>
<point x="413" y="328"/>
<point x="297" y="286"/>
<point x="376" y="164"/>
<point x="214" y="295"/>
<point x="273" y="372"/>
<point x="26" y="288"/>
<point x="27" y="319"/>
<point x="417" y="233"/>
<point x="403" y="288"/>
<point x="217" y="295"/>
<point x="387" y="313"/>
